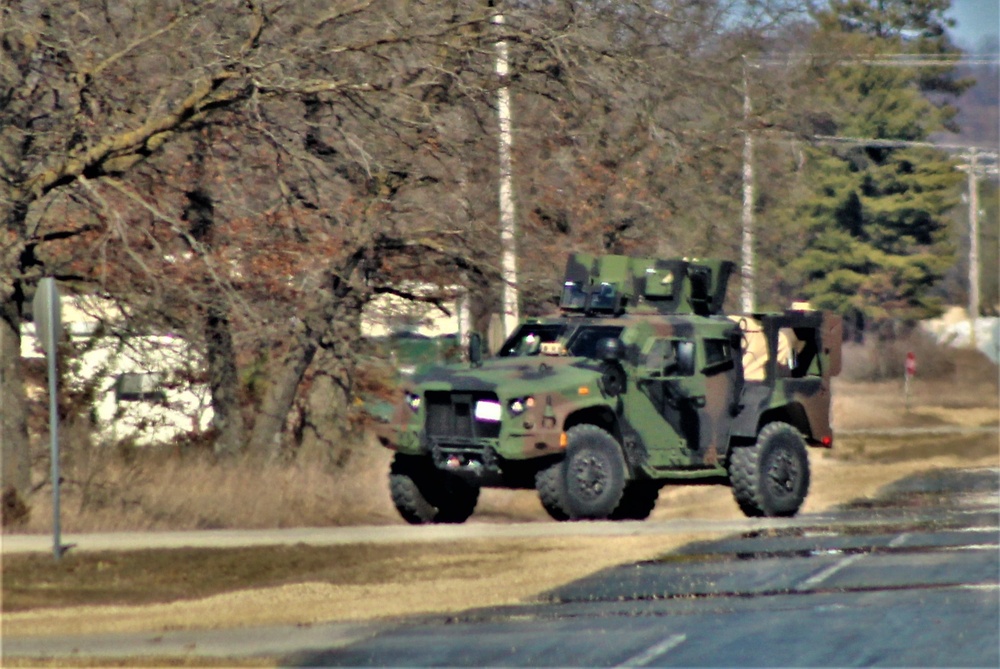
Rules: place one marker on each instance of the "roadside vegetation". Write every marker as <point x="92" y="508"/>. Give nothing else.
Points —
<point x="185" y="487"/>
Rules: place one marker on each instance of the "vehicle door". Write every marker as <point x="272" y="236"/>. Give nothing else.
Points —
<point x="693" y="382"/>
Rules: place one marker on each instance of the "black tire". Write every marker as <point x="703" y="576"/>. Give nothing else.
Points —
<point x="409" y="478"/>
<point x="551" y="487"/>
<point x="771" y="477"/>
<point x="638" y="501"/>
<point x="424" y="494"/>
<point x="594" y="473"/>
<point x="454" y="497"/>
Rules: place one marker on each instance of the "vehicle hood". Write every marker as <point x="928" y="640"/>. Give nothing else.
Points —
<point x="512" y="376"/>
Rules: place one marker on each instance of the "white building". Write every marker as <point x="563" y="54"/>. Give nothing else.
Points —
<point x="388" y="314"/>
<point x="148" y="389"/>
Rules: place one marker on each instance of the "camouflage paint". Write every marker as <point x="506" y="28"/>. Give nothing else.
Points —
<point x="672" y="423"/>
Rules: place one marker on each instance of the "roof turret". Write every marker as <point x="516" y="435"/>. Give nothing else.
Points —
<point x="615" y="284"/>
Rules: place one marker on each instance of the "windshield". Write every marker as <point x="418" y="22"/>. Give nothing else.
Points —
<point x="576" y="296"/>
<point x="604" y="298"/>
<point x="581" y="341"/>
<point x="529" y="337"/>
<point x="573" y="296"/>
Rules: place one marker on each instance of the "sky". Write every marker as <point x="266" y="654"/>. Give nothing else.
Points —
<point x="976" y="19"/>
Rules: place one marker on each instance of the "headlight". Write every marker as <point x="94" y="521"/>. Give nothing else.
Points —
<point x="519" y="405"/>
<point x="413" y="401"/>
<point x="487" y="411"/>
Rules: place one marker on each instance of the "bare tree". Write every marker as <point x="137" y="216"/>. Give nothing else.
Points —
<point x="67" y="118"/>
<point x="253" y="173"/>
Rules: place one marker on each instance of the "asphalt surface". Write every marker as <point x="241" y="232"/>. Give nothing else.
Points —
<point x="914" y="584"/>
<point x="907" y="579"/>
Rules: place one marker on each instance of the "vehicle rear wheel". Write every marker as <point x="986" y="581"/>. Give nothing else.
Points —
<point x="594" y="472"/>
<point x="771" y="477"/>
<point x="551" y="487"/>
<point x="424" y="494"/>
<point x="638" y="501"/>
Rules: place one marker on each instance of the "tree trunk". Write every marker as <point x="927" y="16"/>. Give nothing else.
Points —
<point x="266" y="437"/>
<point x="15" y="449"/>
<point x="326" y="434"/>
<point x="223" y="376"/>
<point x="223" y="379"/>
<point x="15" y="465"/>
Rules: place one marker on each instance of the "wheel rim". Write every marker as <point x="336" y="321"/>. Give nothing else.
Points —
<point x="783" y="474"/>
<point x="590" y="476"/>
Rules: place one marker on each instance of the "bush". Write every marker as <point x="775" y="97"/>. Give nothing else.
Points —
<point x="883" y="360"/>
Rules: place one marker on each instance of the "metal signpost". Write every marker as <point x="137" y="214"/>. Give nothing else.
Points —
<point x="911" y="369"/>
<point x="48" y="326"/>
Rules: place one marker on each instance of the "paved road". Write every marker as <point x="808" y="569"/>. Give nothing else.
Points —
<point x="918" y="586"/>
<point x="910" y="579"/>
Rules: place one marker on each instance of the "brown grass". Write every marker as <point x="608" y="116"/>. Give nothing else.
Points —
<point x="146" y="489"/>
<point x="157" y="491"/>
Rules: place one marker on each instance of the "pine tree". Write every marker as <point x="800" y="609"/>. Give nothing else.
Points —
<point x="877" y="232"/>
<point x="878" y="241"/>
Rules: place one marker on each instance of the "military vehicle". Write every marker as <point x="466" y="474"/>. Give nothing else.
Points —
<point x="638" y="382"/>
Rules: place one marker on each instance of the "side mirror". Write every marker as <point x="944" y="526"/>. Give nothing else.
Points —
<point x="475" y="349"/>
<point x="610" y="349"/>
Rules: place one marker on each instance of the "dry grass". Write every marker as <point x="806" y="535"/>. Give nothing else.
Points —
<point x="123" y="490"/>
<point x="951" y="387"/>
<point x="156" y="491"/>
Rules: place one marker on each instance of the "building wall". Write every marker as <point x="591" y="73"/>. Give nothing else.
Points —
<point x="147" y="388"/>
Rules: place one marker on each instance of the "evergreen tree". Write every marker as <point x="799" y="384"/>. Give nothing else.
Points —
<point x="877" y="238"/>
<point x="878" y="241"/>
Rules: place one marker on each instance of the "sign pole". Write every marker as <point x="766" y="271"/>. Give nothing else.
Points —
<point x="49" y="327"/>
<point x="910" y="370"/>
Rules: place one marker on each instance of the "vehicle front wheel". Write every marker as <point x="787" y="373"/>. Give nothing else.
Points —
<point x="455" y="498"/>
<point x="424" y="494"/>
<point x="594" y="472"/>
<point x="771" y="477"/>
<point x="638" y="501"/>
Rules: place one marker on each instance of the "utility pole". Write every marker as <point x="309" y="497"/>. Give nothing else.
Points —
<point x="507" y="218"/>
<point x="973" y="248"/>
<point x="746" y="270"/>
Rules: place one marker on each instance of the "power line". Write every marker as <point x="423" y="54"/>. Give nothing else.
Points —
<point x="884" y="60"/>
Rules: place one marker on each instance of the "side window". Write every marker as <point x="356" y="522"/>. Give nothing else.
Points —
<point x="718" y="356"/>
<point x="683" y="359"/>
<point x="671" y="357"/>
<point x="797" y="353"/>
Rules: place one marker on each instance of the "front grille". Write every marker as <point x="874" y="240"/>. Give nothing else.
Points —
<point x="450" y="417"/>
